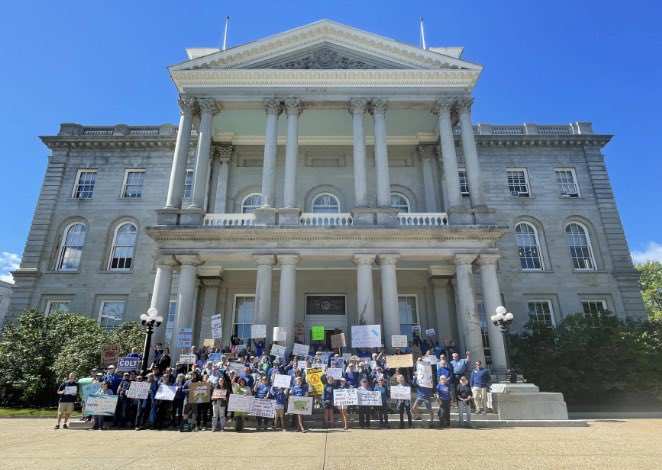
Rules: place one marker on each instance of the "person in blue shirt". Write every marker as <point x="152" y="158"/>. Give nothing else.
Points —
<point x="147" y="406"/>
<point x="327" y="401"/>
<point x="382" y="411"/>
<point x="261" y="390"/>
<point x="112" y="378"/>
<point x="178" y="402"/>
<point x="424" y="396"/>
<point x="104" y="390"/>
<point x="480" y="383"/>
<point x="444" y="399"/>
<point x="299" y="390"/>
<point x="280" y="396"/>
<point x="122" y="402"/>
<point x="352" y="377"/>
<point x="459" y="367"/>
<point x="445" y="369"/>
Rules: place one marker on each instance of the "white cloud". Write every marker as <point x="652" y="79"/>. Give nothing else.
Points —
<point x="8" y="262"/>
<point x="653" y="252"/>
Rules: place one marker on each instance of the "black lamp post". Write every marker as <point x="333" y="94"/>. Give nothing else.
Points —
<point x="503" y="319"/>
<point x="150" y="321"/>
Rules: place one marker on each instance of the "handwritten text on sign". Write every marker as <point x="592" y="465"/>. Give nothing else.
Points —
<point x="345" y="397"/>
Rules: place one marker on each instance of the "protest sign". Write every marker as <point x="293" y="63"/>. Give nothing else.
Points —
<point x="128" y="364"/>
<point x="101" y="405"/>
<point x="335" y="372"/>
<point x="90" y="390"/>
<point x="240" y="403"/>
<point x="429" y="332"/>
<point x="209" y="342"/>
<point x="300" y="406"/>
<point x="432" y="359"/>
<point x="72" y="390"/>
<point x="199" y="392"/>
<point x="240" y="347"/>
<point x="338" y="362"/>
<point x="278" y="350"/>
<point x="347" y="356"/>
<point x="317" y="333"/>
<point x="299" y="331"/>
<point x="415" y="329"/>
<point x="366" y="336"/>
<point x="280" y="333"/>
<point x="263" y="407"/>
<point x="216" y="327"/>
<point x="110" y="353"/>
<point x="184" y="337"/>
<point x="314" y="379"/>
<point x="345" y="397"/>
<point x="219" y="394"/>
<point x="138" y="390"/>
<point x="369" y="398"/>
<point x="302" y="364"/>
<point x="282" y="381"/>
<point x="399" y="361"/>
<point x="258" y="331"/>
<point x="338" y="341"/>
<point x="424" y="374"/>
<point x="399" y="341"/>
<point x="400" y="392"/>
<point x="187" y="359"/>
<point x="238" y="367"/>
<point x="300" y="350"/>
<point x="215" y="357"/>
<point x="166" y="392"/>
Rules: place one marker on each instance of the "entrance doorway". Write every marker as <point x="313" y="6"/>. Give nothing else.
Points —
<point x="326" y="343"/>
<point x="327" y="310"/>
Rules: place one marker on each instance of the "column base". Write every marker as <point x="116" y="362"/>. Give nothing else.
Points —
<point x="265" y="216"/>
<point x="524" y="401"/>
<point x="363" y="216"/>
<point x="460" y="215"/>
<point x="289" y="216"/>
<point x="167" y="216"/>
<point x="386" y="216"/>
<point x="191" y="216"/>
<point x="484" y="215"/>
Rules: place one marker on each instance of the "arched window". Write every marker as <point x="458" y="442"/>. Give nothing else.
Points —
<point x="528" y="246"/>
<point x="581" y="251"/>
<point x="73" y="240"/>
<point x="250" y="203"/>
<point x="124" y="242"/>
<point x="326" y="203"/>
<point x="400" y="202"/>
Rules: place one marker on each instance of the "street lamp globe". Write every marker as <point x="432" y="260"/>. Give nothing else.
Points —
<point x="499" y="316"/>
<point x="144" y="318"/>
<point x="509" y="316"/>
<point x="493" y="318"/>
<point x="501" y="310"/>
<point x="152" y="312"/>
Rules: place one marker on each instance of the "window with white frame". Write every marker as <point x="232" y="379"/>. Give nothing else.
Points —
<point x="84" y="186"/>
<point x="170" y="325"/>
<point x="400" y="202"/>
<point x="250" y="203"/>
<point x="111" y="313"/>
<point x="124" y="243"/>
<point x="244" y="314"/>
<point x="464" y="182"/>
<point x="542" y="310"/>
<point x="326" y="203"/>
<point x="57" y="306"/>
<point x="567" y="181"/>
<point x="483" y="332"/>
<point x="71" y="247"/>
<point x="579" y="243"/>
<point x="188" y="183"/>
<point x="408" y="308"/>
<point x="133" y="183"/>
<point x="528" y="246"/>
<point x="594" y="305"/>
<point x="518" y="182"/>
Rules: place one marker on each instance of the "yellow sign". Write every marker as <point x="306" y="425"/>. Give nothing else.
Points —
<point x="314" y="378"/>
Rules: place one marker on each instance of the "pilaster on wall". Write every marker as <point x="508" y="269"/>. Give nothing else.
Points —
<point x="623" y="271"/>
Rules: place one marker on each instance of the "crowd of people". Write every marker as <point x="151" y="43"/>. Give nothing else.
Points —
<point x="455" y="384"/>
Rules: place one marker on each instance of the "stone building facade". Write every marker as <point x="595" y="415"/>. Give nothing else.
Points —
<point x="328" y="176"/>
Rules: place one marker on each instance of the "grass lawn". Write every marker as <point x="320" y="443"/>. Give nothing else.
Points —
<point x="9" y="410"/>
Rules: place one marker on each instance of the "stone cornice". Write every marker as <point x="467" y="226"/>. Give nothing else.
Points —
<point x="121" y="142"/>
<point x="559" y="140"/>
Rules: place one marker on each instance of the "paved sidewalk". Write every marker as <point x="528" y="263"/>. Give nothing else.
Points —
<point x="605" y="444"/>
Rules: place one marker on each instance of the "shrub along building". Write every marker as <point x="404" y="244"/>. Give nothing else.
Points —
<point x="328" y="176"/>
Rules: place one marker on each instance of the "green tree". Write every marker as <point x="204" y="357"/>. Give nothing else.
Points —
<point x="651" y="287"/>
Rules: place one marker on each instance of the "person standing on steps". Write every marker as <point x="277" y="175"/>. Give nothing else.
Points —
<point x="444" y="399"/>
<point x="480" y="383"/>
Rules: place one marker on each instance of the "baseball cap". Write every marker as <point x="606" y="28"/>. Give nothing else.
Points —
<point x="111" y="366"/>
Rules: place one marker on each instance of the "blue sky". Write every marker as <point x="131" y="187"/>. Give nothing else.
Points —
<point x="100" y="63"/>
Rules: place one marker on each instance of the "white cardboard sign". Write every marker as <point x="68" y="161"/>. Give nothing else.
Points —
<point x="300" y="350"/>
<point x="400" y="392"/>
<point x="216" y="327"/>
<point x="258" y="331"/>
<point x="399" y="341"/>
<point x="366" y="336"/>
<point x="282" y="381"/>
<point x="278" y="350"/>
<point x="138" y="390"/>
<point x="280" y="333"/>
<point x="345" y="397"/>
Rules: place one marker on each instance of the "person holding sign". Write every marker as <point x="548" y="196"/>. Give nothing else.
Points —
<point x="280" y="396"/>
<point x="424" y="397"/>
<point x="261" y="390"/>
<point x="67" y="391"/>
<point x="219" y="399"/>
<point x="343" y="409"/>
<point x="239" y="387"/>
<point x="327" y="401"/>
<point x="300" y="390"/>
<point x="98" y="419"/>
<point x="146" y="407"/>
<point x="382" y="411"/>
<point x="364" y="411"/>
<point x="404" y="405"/>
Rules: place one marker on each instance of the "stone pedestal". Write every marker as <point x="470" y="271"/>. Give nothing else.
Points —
<point x="191" y="216"/>
<point x="265" y="216"/>
<point x="289" y="216"/>
<point x="485" y="215"/>
<point x="167" y="216"/>
<point x="525" y="401"/>
<point x="386" y="216"/>
<point x="460" y="215"/>
<point x="363" y="216"/>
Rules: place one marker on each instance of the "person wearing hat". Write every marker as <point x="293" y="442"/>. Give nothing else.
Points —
<point x="112" y="378"/>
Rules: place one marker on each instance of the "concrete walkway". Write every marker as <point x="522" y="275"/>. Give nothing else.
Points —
<point x="32" y="443"/>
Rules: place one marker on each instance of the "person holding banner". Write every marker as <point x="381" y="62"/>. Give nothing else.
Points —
<point x="67" y="391"/>
<point x="98" y="419"/>
<point x="300" y="390"/>
<point x="382" y="411"/>
<point x="424" y="396"/>
<point x="404" y="406"/>
<point x="239" y="387"/>
<point x="261" y="390"/>
<point x="219" y="405"/>
<point x="327" y="401"/>
<point x="146" y="406"/>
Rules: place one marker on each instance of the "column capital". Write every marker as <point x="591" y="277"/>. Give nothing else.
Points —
<point x="165" y="260"/>
<point x="364" y="259"/>
<point x="293" y="106"/>
<point x="357" y="105"/>
<point x="488" y="259"/>
<point x="273" y="106"/>
<point x="463" y="259"/>
<point x="189" y="260"/>
<point x="463" y="104"/>
<point x="427" y="151"/>
<point x="288" y="260"/>
<point x="211" y="281"/>
<point x="438" y="281"/>
<point x="388" y="259"/>
<point x="264" y="260"/>
<point x="378" y="106"/>
<point x="223" y="152"/>
<point x="187" y="106"/>
<point x="443" y="106"/>
<point x="208" y="105"/>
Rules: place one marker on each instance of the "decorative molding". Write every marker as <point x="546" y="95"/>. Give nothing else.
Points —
<point x="358" y="105"/>
<point x="463" y="259"/>
<point x="288" y="260"/>
<point x="165" y="260"/>
<point x="273" y="106"/>
<point x="484" y="259"/>
<point x="388" y="259"/>
<point x="190" y="260"/>
<point x="207" y="105"/>
<point x="264" y="260"/>
<point x="325" y="58"/>
<point x="427" y="151"/>
<point x="463" y="104"/>
<point x="443" y="107"/>
<point x="378" y="106"/>
<point x="363" y="259"/>
<point x="293" y="106"/>
<point x="187" y="106"/>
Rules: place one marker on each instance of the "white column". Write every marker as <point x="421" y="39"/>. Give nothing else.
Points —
<point x="178" y="172"/>
<point x="357" y="109"/>
<point x="208" y="109"/>
<point x="223" y="162"/>
<point x="470" y="153"/>
<point x="273" y="109"/>
<point x="209" y="301"/>
<point x="492" y="300"/>
<point x="390" y="309"/>
<point x="186" y="297"/>
<point x="365" y="295"/>
<point x="440" y="289"/>
<point x="449" y="159"/>
<point x="263" y="284"/>
<point x="378" y="110"/>
<point x="287" y="295"/>
<point x="427" y="152"/>
<point x="473" y="339"/>
<point x="161" y="294"/>
<point x="293" y="108"/>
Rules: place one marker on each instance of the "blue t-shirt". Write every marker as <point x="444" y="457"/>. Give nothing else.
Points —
<point x="279" y="395"/>
<point x="384" y="390"/>
<point x="261" y="391"/>
<point x="327" y="394"/>
<point x="352" y="379"/>
<point x="249" y="380"/>
<point x="444" y="392"/>
<point x="299" y="391"/>
<point x="423" y="392"/>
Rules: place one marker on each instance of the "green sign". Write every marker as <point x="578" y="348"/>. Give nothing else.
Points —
<point x="318" y="333"/>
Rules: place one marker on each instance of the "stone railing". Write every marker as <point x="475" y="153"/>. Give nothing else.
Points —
<point x="117" y="130"/>
<point x="229" y="220"/>
<point x="423" y="219"/>
<point x="529" y="128"/>
<point x="309" y="219"/>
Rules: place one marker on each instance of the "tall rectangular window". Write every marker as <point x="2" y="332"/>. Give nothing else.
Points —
<point x="408" y="308"/>
<point x="188" y="183"/>
<point x="518" y="182"/>
<point x="84" y="186"/>
<point x="483" y="332"/>
<point x="464" y="182"/>
<point x="133" y="183"/>
<point x="111" y="313"/>
<point x="567" y="181"/>
<point x="594" y="306"/>
<point x="170" y="325"/>
<point x="57" y="306"/>
<point x="542" y="310"/>
<point x="244" y="313"/>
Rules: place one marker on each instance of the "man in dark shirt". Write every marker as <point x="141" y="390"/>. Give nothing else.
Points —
<point x="67" y="391"/>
